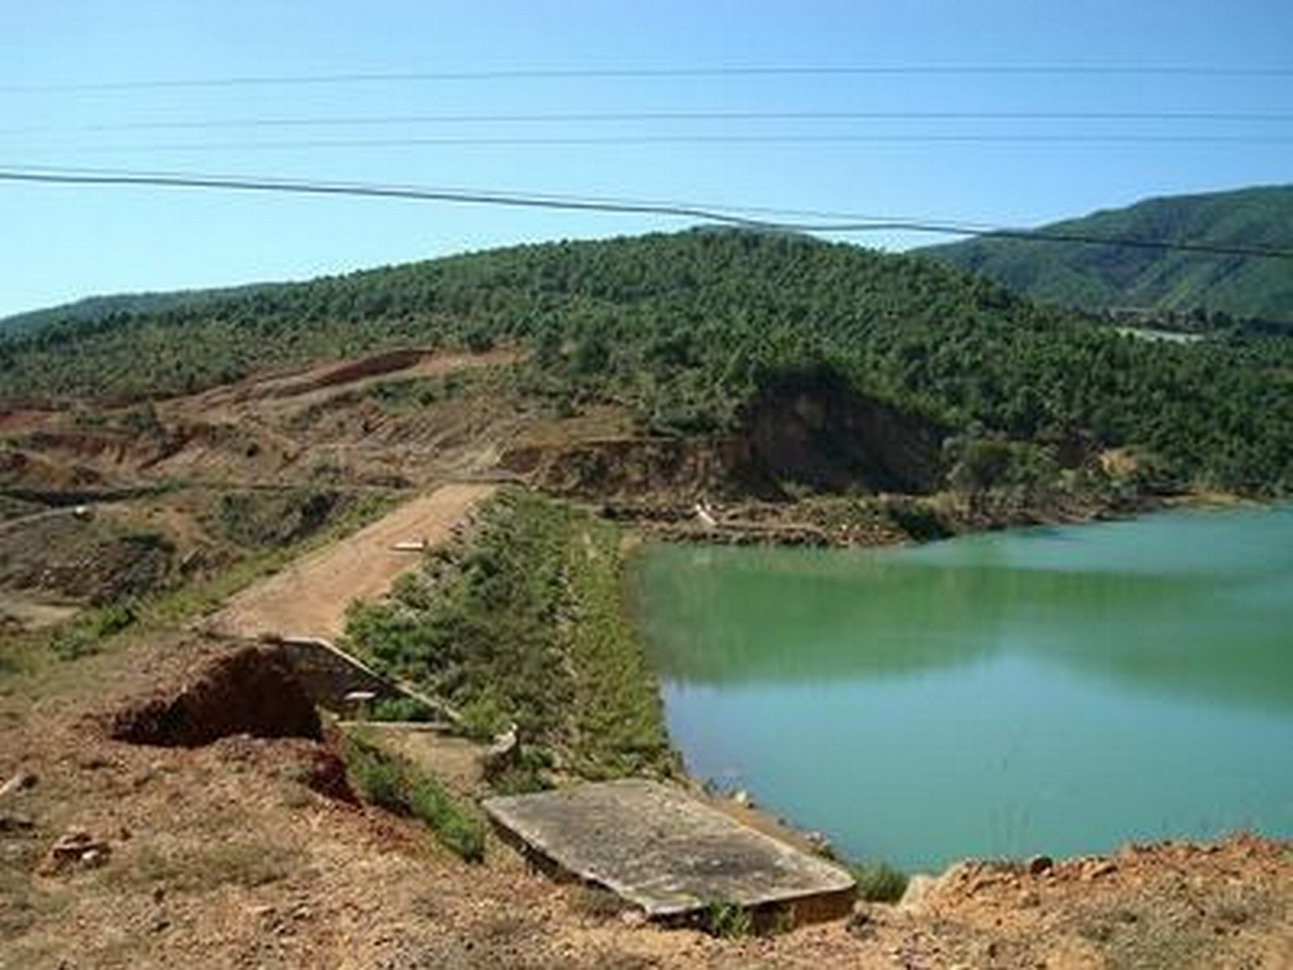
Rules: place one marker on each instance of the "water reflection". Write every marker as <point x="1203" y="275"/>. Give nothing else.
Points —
<point x="1058" y="690"/>
<point x="1201" y="604"/>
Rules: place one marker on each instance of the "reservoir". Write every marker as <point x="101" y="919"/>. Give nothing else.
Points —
<point x="1050" y="690"/>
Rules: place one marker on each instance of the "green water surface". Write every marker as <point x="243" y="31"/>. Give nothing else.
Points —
<point x="1056" y="690"/>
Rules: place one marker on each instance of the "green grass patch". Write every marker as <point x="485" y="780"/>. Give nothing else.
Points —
<point x="530" y="774"/>
<point x="879" y="882"/>
<point x="392" y="782"/>
<point x="81" y="637"/>
<point x="400" y="709"/>
<point x="726" y="920"/>
<point x="525" y="623"/>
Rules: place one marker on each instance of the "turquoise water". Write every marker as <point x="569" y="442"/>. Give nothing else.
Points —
<point x="1058" y="690"/>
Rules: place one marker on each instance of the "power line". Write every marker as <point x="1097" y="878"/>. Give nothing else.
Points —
<point x="717" y="214"/>
<point x="652" y="116"/>
<point x="592" y="141"/>
<point x="540" y="74"/>
<point x="307" y="187"/>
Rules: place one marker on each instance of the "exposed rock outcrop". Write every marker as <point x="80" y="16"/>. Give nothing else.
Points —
<point x="805" y="430"/>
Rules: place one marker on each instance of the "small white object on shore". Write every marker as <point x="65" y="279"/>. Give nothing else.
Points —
<point x="705" y="516"/>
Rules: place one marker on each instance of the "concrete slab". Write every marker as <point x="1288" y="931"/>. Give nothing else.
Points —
<point x="662" y="850"/>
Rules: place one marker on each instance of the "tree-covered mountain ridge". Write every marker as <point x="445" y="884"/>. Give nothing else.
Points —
<point x="1100" y="276"/>
<point x="96" y="308"/>
<point x="686" y="330"/>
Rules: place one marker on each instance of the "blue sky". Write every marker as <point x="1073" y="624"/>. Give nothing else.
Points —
<point x="58" y="60"/>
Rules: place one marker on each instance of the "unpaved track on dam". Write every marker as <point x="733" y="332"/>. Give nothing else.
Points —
<point x="309" y="597"/>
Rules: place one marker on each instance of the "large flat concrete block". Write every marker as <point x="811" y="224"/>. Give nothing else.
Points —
<point x="661" y="849"/>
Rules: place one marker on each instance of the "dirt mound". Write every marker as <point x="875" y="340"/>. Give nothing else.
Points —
<point x="1170" y="904"/>
<point x="317" y="765"/>
<point x="625" y="467"/>
<point x="25" y="470"/>
<point x="101" y="447"/>
<point x="347" y="372"/>
<point x="252" y="690"/>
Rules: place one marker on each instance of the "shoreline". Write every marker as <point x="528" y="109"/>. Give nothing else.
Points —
<point x="892" y="520"/>
<point x="747" y="806"/>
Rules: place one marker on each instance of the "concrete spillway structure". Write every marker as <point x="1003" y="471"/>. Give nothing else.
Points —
<point x="662" y="850"/>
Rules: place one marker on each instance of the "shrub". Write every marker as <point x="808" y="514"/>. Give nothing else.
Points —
<point x="375" y="774"/>
<point x="400" y="709"/>
<point x="482" y="717"/>
<point x="392" y="782"/>
<point x="74" y="643"/>
<point x="726" y="920"/>
<point x="81" y="637"/>
<point x="880" y="882"/>
<point x="919" y="521"/>
<point x="529" y="774"/>
<point x="259" y="519"/>
<point x="459" y="831"/>
<point x="113" y="618"/>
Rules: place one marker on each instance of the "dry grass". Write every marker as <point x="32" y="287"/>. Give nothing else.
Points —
<point x="246" y="863"/>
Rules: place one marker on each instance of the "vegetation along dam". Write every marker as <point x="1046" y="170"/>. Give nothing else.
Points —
<point x="1050" y="690"/>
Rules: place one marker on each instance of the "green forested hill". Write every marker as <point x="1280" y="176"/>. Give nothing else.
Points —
<point x="685" y="329"/>
<point x="97" y="308"/>
<point x="1100" y="276"/>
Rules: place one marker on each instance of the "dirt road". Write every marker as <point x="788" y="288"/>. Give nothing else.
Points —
<point x="310" y="596"/>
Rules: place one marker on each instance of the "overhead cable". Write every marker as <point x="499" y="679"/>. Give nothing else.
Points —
<point x="715" y="214"/>
<point x="661" y="73"/>
<point x="611" y="141"/>
<point x="609" y="117"/>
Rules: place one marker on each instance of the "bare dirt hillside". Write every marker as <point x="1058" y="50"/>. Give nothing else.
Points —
<point x="185" y="488"/>
<point x="402" y="418"/>
<point x="246" y="852"/>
